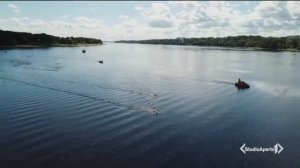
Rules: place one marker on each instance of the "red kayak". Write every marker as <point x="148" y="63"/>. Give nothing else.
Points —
<point x="242" y="85"/>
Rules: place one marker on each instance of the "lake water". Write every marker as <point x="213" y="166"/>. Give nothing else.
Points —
<point x="148" y="106"/>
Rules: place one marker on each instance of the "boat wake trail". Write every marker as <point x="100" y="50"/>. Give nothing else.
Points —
<point x="277" y="90"/>
<point x="223" y="82"/>
<point x="197" y="80"/>
<point x="141" y="88"/>
<point x="17" y="63"/>
<point x="125" y="90"/>
<point x="146" y="109"/>
<point x="237" y="70"/>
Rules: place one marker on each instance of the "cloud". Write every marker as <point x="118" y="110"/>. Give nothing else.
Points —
<point x="172" y="19"/>
<point x="78" y="26"/>
<point x="158" y="15"/>
<point x="224" y="19"/>
<point x="272" y="19"/>
<point x="276" y="10"/>
<point x="183" y="4"/>
<point x="14" y="8"/>
<point x="199" y="19"/>
<point x="160" y="23"/>
<point x="293" y="8"/>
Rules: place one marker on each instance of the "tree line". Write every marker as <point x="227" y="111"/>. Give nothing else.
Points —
<point x="272" y="43"/>
<point x="9" y="38"/>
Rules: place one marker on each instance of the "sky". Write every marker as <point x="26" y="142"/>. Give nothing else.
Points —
<point x="137" y="20"/>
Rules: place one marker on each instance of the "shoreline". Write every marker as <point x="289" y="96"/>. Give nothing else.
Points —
<point x="47" y="46"/>
<point x="227" y="47"/>
<point x="82" y="45"/>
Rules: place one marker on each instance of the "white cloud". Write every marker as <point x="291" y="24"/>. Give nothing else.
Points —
<point x="17" y="10"/>
<point x="272" y="9"/>
<point x="272" y="19"/>
<point x="183" y="4"/>
<point x="158" y="15"/>
<point x="79" y="26"/>
<point x="294" y="9"/>
<point x="14" y="8"/>
<point x="206" y="19"/>
<point x="160" y="23"/>
<point x="171" y="20"/>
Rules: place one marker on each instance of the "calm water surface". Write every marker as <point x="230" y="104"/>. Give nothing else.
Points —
<point x="147" y="106"/>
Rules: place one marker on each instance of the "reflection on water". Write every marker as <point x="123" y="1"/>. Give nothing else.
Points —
<point x="147" y="106"/>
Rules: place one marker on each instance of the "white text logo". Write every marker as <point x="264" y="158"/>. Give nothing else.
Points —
<point x="276" y="149"/>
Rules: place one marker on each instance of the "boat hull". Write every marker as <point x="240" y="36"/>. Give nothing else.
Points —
<point x="242" y="85"/>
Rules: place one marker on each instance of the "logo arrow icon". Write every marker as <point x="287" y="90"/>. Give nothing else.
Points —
<point x="278" y="148"/>
<point x="242" y="149"/>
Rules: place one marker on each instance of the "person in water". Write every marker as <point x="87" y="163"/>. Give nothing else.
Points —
<point x="239" y="81"/>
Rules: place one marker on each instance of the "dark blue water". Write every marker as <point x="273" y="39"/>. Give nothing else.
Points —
<point x="147" y="106"/>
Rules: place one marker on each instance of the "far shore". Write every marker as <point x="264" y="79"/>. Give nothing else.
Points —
<point x="48" y="46"/>
<point x="82" y="45"/>
<point x="225" y="47"/>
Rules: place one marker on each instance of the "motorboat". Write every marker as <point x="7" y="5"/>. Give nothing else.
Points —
<point x="242" y="85"/>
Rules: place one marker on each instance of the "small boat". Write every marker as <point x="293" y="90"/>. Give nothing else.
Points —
<point x="101" y="62"/>
<point x="83" y="51"/>
<point x="242" y="85"/>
